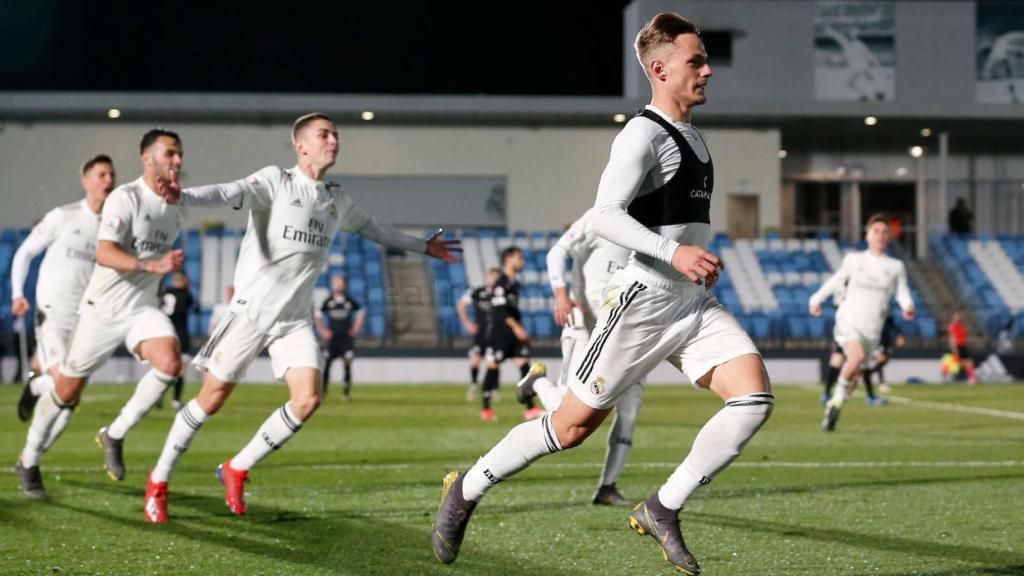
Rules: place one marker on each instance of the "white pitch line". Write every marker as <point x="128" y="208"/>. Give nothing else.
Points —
<point x="645" y="465"/>
<point x="957" y="408"/>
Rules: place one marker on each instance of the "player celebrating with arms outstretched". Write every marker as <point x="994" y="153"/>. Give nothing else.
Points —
<point x="294" y="215"/>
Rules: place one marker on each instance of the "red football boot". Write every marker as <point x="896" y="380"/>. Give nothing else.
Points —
<point x="234" y="486"/>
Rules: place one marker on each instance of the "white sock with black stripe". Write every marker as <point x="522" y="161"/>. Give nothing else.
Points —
<point x="274" y="432"/>
<point x="549" y="394"/>
<point x="48" y="410"/>
<point x="41" y="384"/>
<point x="522" y="446"/>
<point x="186" y="425"/>
<point x="147" y="393"/>
<point x="717" y="444"/>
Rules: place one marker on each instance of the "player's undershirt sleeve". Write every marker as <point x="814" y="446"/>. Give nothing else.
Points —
<point x="903" y="297"/>
<point x="632" y="157"/>
<point x="833" y="284"/>
<point x="42" y="235"/>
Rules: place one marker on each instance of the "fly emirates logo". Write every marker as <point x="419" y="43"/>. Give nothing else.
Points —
<point x="313" y="235"/>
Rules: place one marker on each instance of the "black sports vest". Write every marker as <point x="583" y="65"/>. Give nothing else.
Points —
<point x="686" y="197"/>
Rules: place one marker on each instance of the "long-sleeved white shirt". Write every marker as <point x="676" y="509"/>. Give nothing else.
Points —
<point x="292" y="221"/>
<point x="643" y="158"/>
<point x="68" y="234"/>
<point x="595" y="260"/>
<point x="871" y="282"/>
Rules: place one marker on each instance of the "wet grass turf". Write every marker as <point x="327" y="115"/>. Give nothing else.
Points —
<point x="898" y="489"/>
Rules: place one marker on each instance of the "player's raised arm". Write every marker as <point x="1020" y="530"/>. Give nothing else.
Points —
<point x="254" y="190"/>
<point x="388" y="235"/>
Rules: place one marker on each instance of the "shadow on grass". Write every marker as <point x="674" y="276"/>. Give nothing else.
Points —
<point x="1015" y="570"/>
<point x="751" y="491"/>
<point x="339" y="543"/>
<point x="872" y="542"/>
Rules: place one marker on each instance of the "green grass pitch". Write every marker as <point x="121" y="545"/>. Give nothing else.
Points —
<point x="908" y="488"/>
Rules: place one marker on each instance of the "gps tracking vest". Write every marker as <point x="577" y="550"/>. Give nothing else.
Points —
<point x="686" y="197"/>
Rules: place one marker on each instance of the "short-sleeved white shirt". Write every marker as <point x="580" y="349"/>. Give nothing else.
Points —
<point x="145" y="226"/>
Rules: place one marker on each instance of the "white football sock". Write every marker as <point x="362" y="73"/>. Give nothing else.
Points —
<point x="274" y="432"/>
<point x="717" y="444"/>
<point x="62" y="421"/>
<point x="147" y="393"/>
<point x="41" y="384"/>
<point x="186" y="425"/>
<point x="47" y="411"/>
<point x="620" y="436"/>
<point x="549" y="394"/>
<point x="841" y="392"/>
<point x="522" y="446"/>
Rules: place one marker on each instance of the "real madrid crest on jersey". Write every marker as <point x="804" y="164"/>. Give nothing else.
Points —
<point x="597" y="386"/>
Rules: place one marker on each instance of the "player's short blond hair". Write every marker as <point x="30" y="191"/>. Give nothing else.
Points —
<point x="305" y="120"/>
<point x="662" y="29"/>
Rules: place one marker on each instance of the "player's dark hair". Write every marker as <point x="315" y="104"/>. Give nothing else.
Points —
<point x="150" y="137"/>
<point x="304" y="120"/>
<point x="509" y="252"/>
<point x="662" y="29"/>
<point x="97" y="159"/>
<point x="876" y="218"/>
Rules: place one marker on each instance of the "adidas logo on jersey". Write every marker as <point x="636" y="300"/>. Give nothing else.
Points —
<point x="296" y="203"/>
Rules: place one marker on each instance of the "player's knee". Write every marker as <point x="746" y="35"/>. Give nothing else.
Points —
<point x="68" y="390"/>
<point x="305" y="405"/>
<point x="170" y="365"/>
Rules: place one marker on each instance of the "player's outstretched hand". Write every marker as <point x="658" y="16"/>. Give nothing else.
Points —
<point x="169" y="188"/>
<point x="696" y="263"/>
<point x="814" y="309"/>
<point x="19" y="307"/>
<point x="447" y="250"/>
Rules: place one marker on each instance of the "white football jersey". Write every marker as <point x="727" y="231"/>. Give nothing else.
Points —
<point x="292" y="221"/>
<point x="871" y="282"/>
<point x="68" y="234"/>
<point x="145" y="226"/>
<point x="595" y="260"/>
